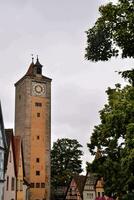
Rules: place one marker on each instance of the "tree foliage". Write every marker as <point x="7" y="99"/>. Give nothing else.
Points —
<point x="65" y="160"/>
<point x="114" y="137"/>
<point x="112" y="33"/>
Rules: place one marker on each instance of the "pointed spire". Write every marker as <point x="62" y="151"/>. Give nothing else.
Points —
<point x="32" y="58"/>
<point x="37" y="62"/>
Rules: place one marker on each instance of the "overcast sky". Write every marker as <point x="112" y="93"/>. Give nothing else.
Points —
<point x="55" y="30"/>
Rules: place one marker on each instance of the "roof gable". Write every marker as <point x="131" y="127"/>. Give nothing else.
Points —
<point x="9" y="139"/>
<point x="78" y="183"/>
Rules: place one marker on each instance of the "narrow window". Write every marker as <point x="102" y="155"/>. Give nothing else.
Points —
<point x="37" y="173"/>
<point x="10" y="156"/>
<point x="37" y="185"/>
<point x="21" y="185"/>
<point x="32" y="185"/>
<point x="37" y="160"/>
<point x="18" y="185"/>
<point x="42" y="185"/>
<point x="12" y="184"/>
<point x="7" y="182"/>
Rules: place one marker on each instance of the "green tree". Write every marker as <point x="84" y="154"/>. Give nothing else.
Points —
<point x="112" y="33"/>
<point x="114" y="137"/>
<point x="65" y="161"/>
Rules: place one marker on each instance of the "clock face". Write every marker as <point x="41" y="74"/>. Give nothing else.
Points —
<point x="38" y="88"/>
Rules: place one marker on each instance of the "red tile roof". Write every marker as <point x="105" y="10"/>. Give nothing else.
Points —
<point x="80" y="182"/>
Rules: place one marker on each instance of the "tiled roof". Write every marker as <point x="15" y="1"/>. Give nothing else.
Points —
<point x="92" y="178"/>
<point x="30" y="73"/>
<point x="30" y="69"/>
<point x="80" y="182"/>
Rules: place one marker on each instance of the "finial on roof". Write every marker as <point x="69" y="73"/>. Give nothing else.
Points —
<point x="37" y="59"/>
<point x="32" y="58"/>
<point x="38" y="62"/>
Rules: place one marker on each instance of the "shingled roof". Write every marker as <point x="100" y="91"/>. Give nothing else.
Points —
<point x="92" y="178"/>
<point x="80" y="182"/>
<point x="30" y="72"/>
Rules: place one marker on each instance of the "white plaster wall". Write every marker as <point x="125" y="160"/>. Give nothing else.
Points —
<point x="89" y="195"/>
<point x="9" y="194"/>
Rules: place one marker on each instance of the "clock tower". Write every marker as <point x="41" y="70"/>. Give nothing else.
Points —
<point x="33" y="124"/>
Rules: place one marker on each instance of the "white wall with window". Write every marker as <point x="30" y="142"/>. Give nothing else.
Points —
<point x="10" y="179"/>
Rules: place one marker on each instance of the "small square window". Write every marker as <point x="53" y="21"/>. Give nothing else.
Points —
<point x="37" y="173"/>
<point x="37" y="160"/>
<point x="38" y="104"/>
<point x="38" y="114"/>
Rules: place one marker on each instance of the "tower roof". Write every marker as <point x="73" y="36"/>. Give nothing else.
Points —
<point x="38" y="63"/>
<point x="30" y="71"/>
